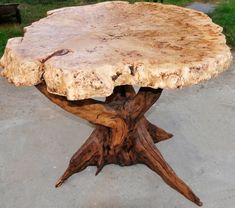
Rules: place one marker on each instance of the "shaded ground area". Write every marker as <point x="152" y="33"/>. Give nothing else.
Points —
<point x="37" y="139"/>
<point x="203" y="7"/>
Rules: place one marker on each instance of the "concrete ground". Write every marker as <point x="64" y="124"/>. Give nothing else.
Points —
<point x="37" y="139"/>
<point x="203" y="7"/>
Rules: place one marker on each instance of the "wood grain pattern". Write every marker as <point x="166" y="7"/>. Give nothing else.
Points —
<point x="101" y="46"/>
<point x="122" y="136"/>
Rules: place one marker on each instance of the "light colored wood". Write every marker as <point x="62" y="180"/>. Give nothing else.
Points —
<point x="86" y="51"/>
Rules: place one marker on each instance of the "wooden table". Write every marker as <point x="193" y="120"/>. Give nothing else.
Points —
<point x="77" y="53"/>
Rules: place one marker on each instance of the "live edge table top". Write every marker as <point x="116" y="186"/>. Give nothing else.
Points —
<point x="86" y="51"/>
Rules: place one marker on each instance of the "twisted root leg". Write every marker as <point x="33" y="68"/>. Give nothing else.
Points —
<point x="127" y="92"/>
<point x="137" y="148"/>
<point x="157" y="133"/>
<point x="150" y="156"/>
<point x="88" y="154"/>
<point x="122" y="136"/>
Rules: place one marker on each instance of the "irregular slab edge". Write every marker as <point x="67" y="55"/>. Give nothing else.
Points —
<point x="25" y="72"/>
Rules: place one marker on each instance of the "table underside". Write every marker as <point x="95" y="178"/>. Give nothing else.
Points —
<point x="122" y="134"/>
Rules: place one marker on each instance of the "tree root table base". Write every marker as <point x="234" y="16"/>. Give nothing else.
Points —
<point x="122" y="135"/>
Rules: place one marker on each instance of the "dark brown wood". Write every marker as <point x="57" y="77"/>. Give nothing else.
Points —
<point x="94" y="111"/>
<point x="122" y="136"/>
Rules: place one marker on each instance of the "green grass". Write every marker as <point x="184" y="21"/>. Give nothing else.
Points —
<point x="224" y="15"/>
<point x="32" y="10"/>
<point x="177" y="2"/>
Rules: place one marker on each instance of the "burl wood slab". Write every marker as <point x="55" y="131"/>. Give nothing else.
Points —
<point x="86" y="51"/>
<point x="103" y="49"/>
<point x="122" y="135"/>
